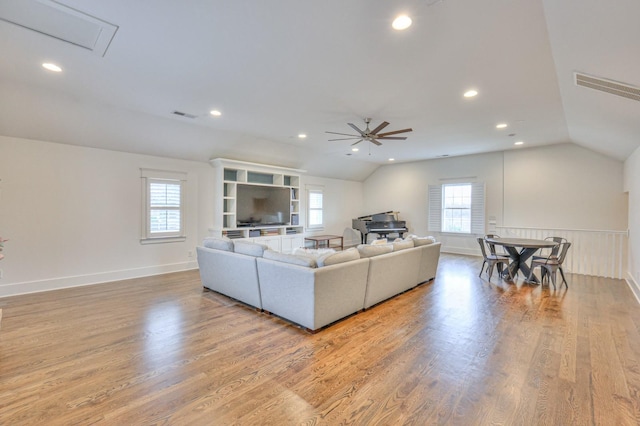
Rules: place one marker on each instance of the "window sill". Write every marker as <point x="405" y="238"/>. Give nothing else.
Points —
<point x="161" y="240"/>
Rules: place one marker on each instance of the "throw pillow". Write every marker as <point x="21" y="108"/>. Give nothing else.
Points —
<point x="380" y="241"/>
<point x="402" y="245"/>
<point x="249" y="248"/>
<point x="423" y="241"/>
<point x="339" y="257"/>
<point x="218" y="243"/>
<point x="367" y="250"/>
<point x="290" y="258"/>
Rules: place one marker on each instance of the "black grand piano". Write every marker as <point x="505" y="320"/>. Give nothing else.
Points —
<point x="382" y="224"/>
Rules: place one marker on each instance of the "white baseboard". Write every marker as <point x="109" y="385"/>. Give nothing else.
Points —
<point x="634" y="286"/>
<point x="26" y="287"/>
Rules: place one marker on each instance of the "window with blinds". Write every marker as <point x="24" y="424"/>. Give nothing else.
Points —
<point x="163" y="211"/>
<point x="457" y="208"/>
<point x="315" y="208"/>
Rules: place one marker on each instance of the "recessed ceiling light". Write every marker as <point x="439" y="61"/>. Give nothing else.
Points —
<point x="518" y="143"/>
<point x="215" y="113"/>
<point x="470" y="93"/>
<point x="51" y="67"/>
<point x="392" y="159"/>
<point x="302" y="136"/>
<point x="501" y="126"/>
<point x="355" y="149"/>
<point x="402" y="22"/>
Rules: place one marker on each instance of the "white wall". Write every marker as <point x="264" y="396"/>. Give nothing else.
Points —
<point x="632" y="186"/>
<point x="563" y="186"/>
<point x="342" y="202"/>
<point x="73" y="215"/>
<point x="559" y="186"/>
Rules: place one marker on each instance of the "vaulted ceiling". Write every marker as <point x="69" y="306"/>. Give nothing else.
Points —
<point x="276" y="69"/>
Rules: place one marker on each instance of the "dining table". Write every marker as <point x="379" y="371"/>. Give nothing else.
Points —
<point x="520" y="250"/>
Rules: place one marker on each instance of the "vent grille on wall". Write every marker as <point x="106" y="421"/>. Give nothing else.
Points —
<point x="608" y="86"/>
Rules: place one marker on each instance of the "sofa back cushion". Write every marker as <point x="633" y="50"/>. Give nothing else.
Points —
<point x="402" y="245"/>
<point x="218" y="243"/>
<point x="249" y="248"/>
<point x="366" y="250"/>
<point x="423" y="241"/>
<point x="339" y="257"/>
<point x="290" y="258"/>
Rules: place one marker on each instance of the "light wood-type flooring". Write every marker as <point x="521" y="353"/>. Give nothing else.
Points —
<point x="459" y="350"/>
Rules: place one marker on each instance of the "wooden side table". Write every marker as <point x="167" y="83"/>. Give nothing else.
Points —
<point x="324" y="241"/>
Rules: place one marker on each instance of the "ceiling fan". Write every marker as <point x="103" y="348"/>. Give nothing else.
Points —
<point x="371" y="135"/>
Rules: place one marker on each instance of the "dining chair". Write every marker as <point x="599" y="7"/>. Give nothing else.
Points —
<point x="492" y="247"/>
<point x="493" y="260"/>
<point x="552" y="263"/>
<point x="544" y="253"/>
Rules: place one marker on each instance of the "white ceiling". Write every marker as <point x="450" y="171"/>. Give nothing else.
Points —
<point x="282" y="67"/>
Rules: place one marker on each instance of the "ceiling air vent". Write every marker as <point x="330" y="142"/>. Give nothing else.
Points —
<point x="608" y="86"/>
<point x="184" y="114"/>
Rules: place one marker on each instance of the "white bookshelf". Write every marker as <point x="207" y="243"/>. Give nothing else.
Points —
<point x="230" y="173"/>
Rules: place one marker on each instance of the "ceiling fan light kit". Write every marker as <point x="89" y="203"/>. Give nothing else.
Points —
<point x="374" y="136"/>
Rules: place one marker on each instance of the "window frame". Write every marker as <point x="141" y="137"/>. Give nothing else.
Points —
<point x="436" y="208"/>
<point x="447" y="223"/>
<point x="149" y="177"/>
<point x="314" y="189"/>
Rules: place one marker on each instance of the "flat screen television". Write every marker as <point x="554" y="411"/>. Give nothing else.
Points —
<point x="258" y="205"/>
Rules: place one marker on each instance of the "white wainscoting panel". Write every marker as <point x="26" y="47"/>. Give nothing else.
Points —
<point x="593" y="252"/>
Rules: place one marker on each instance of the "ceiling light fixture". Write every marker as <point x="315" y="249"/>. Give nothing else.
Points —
<point x="402" y="22"/>
<point x="501" y="126"/>
<point x="302" y="136"/>
<point x="392" y="159"/>
<point x="215" y="113"/>
<point x="470" y="93"/>
<point x="51" y="67"/>
<point x="355" y="149"/>
<point x="519" y="143"/>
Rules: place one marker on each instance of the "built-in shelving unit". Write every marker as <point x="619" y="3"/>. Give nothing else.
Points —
<point x="230" y="174"/>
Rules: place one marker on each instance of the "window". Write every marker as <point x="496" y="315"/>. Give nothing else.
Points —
<point x="457" y="208"/>
<point x="315" y="201"/>
<point x="163" y="194"/>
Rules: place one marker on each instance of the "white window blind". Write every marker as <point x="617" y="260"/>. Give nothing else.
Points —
<point x="315" y="206"/>
<point x="457" y="208"/>
<point x="163" y="200"/>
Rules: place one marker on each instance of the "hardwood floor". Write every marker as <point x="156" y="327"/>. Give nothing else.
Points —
<point x="459" y="350"/>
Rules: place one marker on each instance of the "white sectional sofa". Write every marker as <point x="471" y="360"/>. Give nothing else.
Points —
<point x="316" y="291"/>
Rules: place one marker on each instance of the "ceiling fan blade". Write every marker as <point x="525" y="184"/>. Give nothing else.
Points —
<point x="395" y="132"/>
<point x="380" y="127"/>
<point x="343" y="134"/>
<point x="375" y="142"/>
<point x="396" y="138"/>
<point x="342" y="139"/>
<point x="353" y="126"/>
<point x="357" y="142"/>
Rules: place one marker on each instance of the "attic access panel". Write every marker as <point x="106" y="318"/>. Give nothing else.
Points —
<point x="61" y="22"/>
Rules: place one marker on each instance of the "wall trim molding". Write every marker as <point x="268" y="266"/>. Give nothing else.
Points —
<point x="27" y="287"/>
<point x="634" y="286"/>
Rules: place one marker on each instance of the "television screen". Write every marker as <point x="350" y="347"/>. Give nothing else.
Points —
<point x="263" y="205"/>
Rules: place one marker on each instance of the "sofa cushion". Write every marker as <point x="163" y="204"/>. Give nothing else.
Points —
<point x="339" y="257"/>
<point x="423" y="241"/>
<point x="380" y="241"/>
<point x="290" y="258"/>
<point x="313" y="253"/>
<point x="367" y="250"/>
<point x="402" y="245"/>
<point x="249" y="248"/>
<point x="218" y="243"/>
